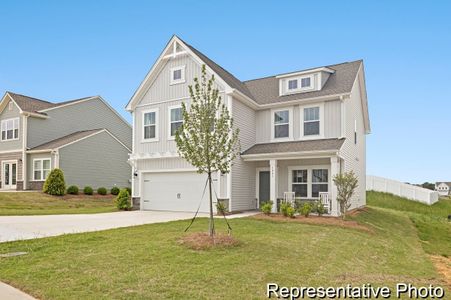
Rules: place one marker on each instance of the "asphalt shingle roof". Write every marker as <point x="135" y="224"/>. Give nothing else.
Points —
<point x="65" y="139"/>
<point x="296" y="146"/>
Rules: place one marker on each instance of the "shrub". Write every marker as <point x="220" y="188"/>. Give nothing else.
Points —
<point x="123" y="200"/>
<point x="88" y="190"/>
<point x="102" y="191"/>
<point x="221" y="208"/>
<point x="284" y="207"/>
<point x="306" y="209"/>
<point x="290" y="211"/>
<point x="129" y="190"/>
<point x="320" y="209"/>
<point x="73" y="190"/>
<point x="266" y="208"/>
<point x="54" y="184"/>
<point x="115" y="190"/>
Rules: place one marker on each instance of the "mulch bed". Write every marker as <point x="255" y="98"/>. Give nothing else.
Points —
<point x="203" y="241"/>
<point x="316" y="220"/>
<point x="443" y="266"/>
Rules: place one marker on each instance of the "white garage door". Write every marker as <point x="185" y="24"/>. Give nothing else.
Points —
<point x="175" y="191"/>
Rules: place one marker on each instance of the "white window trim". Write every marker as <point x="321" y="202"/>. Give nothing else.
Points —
<point x="171" y="137"/>
<point x="309" y="169"/>
<point x="321" y="122"/>
<point x="42" y="167"/>
<point x="299" y="79"/>
<point x="156" y="138"/>
<point x="6" y="122"/>
<point x="182" y="78"/>
<point x="290" y="124"/>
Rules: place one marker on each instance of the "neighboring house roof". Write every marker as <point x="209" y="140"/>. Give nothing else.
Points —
<point x="296" y="146"/>
<point x="34" y="105"/>
<point x="67" y="139"/>
<point x="266" y="90"/>
<point x="445" y="182"/>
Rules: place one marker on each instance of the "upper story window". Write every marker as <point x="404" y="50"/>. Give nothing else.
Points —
<point x="150" y="125"/>
<point x="41" y="168"/>
<point x="311" y="121"/>
<point x="178" y="75"/>
<point x="293" y="84"/>
<point x="10" y="129"/>
<point x="282" y="124"/>
<point x="175" y="120"/>
<point x="306" y="82"/>
<point x="299" y="84"/>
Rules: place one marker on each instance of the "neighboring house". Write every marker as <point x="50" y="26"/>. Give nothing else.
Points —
<point x="297" y="130"/>
<point x="443" y="188"/>
<point x="86" y="138"/>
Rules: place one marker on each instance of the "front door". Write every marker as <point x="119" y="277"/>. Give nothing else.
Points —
<point x="263" y="187"/>
<point x="9" y="175"/>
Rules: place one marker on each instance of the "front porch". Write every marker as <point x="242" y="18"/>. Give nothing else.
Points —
<point x="305" y="178"/>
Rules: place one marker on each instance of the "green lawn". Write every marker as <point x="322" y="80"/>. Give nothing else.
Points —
<point x="37" y="203"/>
<point x="148" y="262"/>
<point x="432" y="223"/>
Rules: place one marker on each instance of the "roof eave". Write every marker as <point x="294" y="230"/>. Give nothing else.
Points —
<point x="290" y="155"/>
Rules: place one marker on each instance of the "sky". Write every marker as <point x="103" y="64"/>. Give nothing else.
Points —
<point x="61" y="50"/>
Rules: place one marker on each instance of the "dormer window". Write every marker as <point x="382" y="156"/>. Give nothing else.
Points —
<point x="178" y="75"/>
<point x="299" y="84"/>
<point x="306" y="82"/>
<point x="293" y="84"/>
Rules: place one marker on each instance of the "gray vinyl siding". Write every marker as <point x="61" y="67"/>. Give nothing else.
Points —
<point x="9" y="114"/>
<point x="354" y="155"/>
<point x="97" y="161"/>
<point x="243" y="173"/>
<point x="92" y="114"/>
<point x="30" y="164"/>
<point x="332" y="122"/>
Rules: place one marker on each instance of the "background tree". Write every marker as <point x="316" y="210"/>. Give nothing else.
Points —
<point x="207" y="139"/>
<point x="346" y="184"/>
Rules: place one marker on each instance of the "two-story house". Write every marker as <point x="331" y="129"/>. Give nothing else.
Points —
<point x="86" y="138"/>
<point x="297" y="130"/>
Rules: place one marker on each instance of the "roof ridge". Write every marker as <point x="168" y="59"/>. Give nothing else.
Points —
<point x="12" y="93"/>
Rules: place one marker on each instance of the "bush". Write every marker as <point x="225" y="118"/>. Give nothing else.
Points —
<point x="88" y="190"/>
<point x="221" y="208"/>
<point x="55" y="184"/>
<point x="73" y="190"/>
<point x="290" y="212"/>
<point x="320" y="209"/>
<point x="123" y="200"/>
<point x="284" y="207"/>
<point x="266" y="208"/>
<point x="102" y="191"/>
<point x="115" y="191"/>
<point x="129" y="190"/>
<point x="306" y="209"/>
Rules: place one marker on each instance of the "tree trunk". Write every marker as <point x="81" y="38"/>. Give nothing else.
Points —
<point x="211" y="224"/>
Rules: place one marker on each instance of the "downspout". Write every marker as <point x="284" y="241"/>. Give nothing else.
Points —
<point x="24" y="152"/>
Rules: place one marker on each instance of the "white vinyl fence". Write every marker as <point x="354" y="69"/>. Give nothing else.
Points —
<point x="415" y="193"/>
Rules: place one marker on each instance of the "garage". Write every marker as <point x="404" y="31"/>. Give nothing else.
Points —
<point x="174" y="191"/>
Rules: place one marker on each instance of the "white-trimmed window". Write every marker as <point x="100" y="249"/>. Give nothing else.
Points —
<point x="299" y="183"/>
<point x="311" y="121"/>
<point x="281" y="124"/>
<point x="299" y="84"/>
<point x="175" y="120"/>
<point x="320" y="181"/>
<point x="292" y="84"/>
<point x="41" y="168"/>
<point x="177" y="75"/>
<point x="306" y="82"/>
<point x="150" y="125"/>
<point x="10" y="129"/>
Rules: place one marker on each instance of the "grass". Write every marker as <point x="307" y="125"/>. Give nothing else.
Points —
<point x="432" y="223"/>
<point x="149" y="262"/>
<point x="37" y="203"/>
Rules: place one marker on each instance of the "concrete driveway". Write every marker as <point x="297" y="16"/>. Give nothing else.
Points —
<point x="14" y="228"/>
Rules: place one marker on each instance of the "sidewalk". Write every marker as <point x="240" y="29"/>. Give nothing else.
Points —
<point x="10" y="293"/>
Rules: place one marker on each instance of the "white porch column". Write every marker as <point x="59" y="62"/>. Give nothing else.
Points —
<point x="273" y="183"/>
<point x="334" y="170"/>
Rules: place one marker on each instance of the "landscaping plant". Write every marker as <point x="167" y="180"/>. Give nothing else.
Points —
<point x="306" y="209"/>
<point x="320" y="209"/>
<point x="346" y="184"/>
<point x="101" y="191"/>
<point x="266" y="208"/>
<point x="123" y="200"/>
<point x="285" y="207"/>
<point x="73" y="190"/>
<point x="291" y="211"/>
<point x="55" y="184"/>
<point x="115" y="191"/>
<point x="88" y="190"/>
<point x="206" y="138"/>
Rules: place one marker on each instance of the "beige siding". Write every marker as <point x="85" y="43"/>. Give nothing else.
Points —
<point x="92" y="114"/>
<point x="332" y="119"/>
<point x="243" y="173"/>
<point x="163" y="164"/>
<point x="9" y="114"/>
<point x="263" y="128"/>
<point x="355" y="154"/>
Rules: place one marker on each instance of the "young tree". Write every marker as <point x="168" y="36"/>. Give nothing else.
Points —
<point x="346" y="184"/>
<point x="207" y="139"/>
